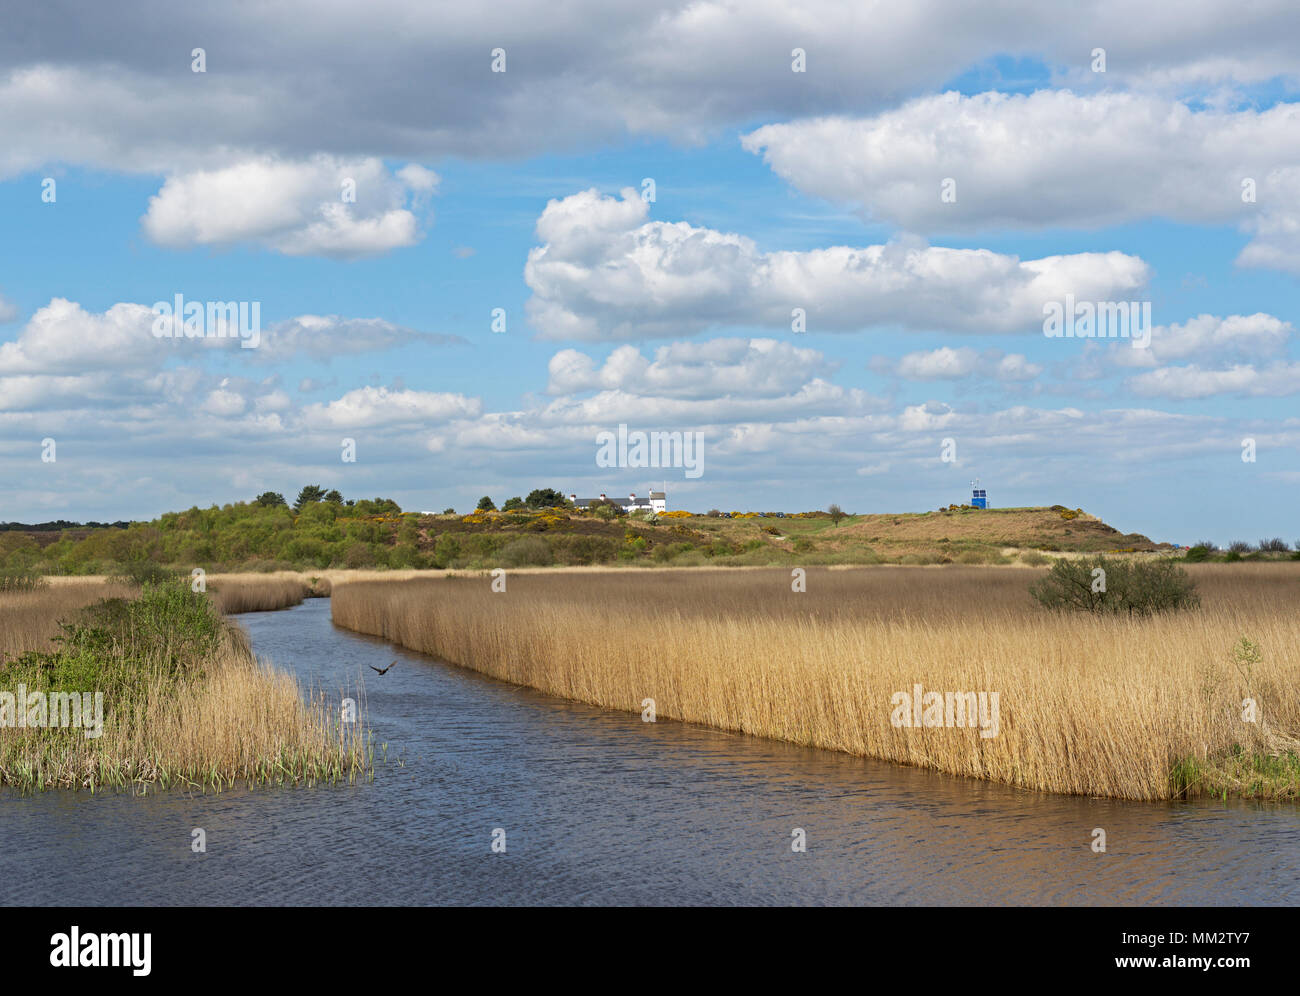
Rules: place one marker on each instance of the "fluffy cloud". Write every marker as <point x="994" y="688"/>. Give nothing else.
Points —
<point x="733" y="367"/>
<point x="294" y="207"/>
<point x="367" y="407"/>
<point x="64" y="338"/>
<point x="586" y="71"/>
<point x="946" y="363"/>
<point x="1192" y="382"/>
<point x="1210" y="337"/>
<point x="1243" y="355"/>
<point x="606" y="272"/>
<point x="1054" y="158"/>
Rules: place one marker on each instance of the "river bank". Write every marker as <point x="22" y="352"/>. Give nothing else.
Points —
<point x="1129" y="708"/>
<point x="111" y="686"/>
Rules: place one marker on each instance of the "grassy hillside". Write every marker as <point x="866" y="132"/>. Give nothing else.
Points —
<point x="249" y="536"/>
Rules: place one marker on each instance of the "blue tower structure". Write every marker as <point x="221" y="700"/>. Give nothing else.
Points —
<point x="978" y="497"/>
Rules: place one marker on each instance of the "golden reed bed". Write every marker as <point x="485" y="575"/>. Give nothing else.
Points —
<point x="1128" y="708"/>
<point x="243" y="722"/>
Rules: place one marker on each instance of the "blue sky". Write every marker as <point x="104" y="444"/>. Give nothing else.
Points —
<point x="522" y="191"/>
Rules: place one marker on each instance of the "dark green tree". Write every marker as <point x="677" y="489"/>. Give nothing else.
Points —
<point x="310" y="493"/>
<point x="545" y="498"/>
<point x="512" y="504"/>
<point x="486" y="504"/>
<point x="271" y="499"/>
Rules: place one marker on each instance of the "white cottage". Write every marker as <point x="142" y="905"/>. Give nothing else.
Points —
<point x="655" y="501"/>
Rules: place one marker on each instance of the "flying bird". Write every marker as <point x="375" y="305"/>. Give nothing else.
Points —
<point x="383" y="670"/>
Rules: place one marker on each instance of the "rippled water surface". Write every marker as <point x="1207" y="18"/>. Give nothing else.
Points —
<point x="599" y="807"/>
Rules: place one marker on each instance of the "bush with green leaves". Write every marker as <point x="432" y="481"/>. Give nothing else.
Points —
<point x="586" y="549"/>
<point x="527" y="551"/>
<point x="114" y="645"/>
<point x="1111" y="585"/>
<point x="143" y="572"/>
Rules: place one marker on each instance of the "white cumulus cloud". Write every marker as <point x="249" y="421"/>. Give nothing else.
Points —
<point x="297" y="207"/>
<point x="606" y="272"/>
<point x="1055" y="158"/>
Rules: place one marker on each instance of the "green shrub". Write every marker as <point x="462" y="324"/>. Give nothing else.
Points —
<point x="527" y="551"/>
<point x="358" y="555"/>
<point x="168" y="631"/>
<point x="1112" y="585"/>
<point x="671" y="551"/>
<point x="582" y="550"/>
<point x="1198" y="554"/>
<point x="143" y="572"/>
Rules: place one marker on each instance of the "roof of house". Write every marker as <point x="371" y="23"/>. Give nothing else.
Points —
<point x="620" y="502"/>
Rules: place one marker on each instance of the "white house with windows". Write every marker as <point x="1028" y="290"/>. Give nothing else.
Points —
<point x="655" y="501"/>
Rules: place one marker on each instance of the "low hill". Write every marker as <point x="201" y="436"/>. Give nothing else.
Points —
<point x="1055" y="529"/>
<point x="328" y="534"/>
